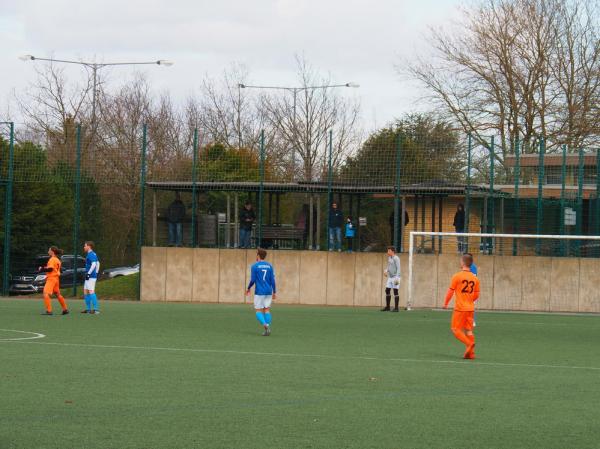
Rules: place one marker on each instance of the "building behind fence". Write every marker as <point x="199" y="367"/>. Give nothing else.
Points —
<point x="116" y="187"/>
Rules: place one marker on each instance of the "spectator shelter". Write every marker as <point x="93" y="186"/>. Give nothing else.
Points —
<point x="430" y="207"/>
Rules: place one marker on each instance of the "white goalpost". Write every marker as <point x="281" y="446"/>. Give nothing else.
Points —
<point x="502" y="244"/>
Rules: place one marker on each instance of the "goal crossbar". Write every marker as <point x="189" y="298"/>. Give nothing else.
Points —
<point x="413" y="234"/>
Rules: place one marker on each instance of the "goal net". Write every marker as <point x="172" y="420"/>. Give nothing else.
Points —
<point x="446" y="247"/>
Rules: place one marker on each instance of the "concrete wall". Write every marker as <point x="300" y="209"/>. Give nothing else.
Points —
<point x="322" y="278"/>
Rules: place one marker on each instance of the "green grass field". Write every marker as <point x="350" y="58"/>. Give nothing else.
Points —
<point x="162" y="376"/>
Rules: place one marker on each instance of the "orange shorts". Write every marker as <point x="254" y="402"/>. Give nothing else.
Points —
<point x="462" y="320"/>
<point x="52" y="286"/>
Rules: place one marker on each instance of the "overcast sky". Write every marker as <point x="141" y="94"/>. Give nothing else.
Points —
<point x="351" y="40"/>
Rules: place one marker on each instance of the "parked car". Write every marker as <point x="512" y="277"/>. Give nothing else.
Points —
<point x="111" y="273"/>
<point x="32" y="281"/>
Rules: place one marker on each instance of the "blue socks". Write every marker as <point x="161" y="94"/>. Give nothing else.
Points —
<point x="261" y="317"/>
<point x="91" y="302"/>
<point x="94" y="301"/>
<point x="268" y="318"/>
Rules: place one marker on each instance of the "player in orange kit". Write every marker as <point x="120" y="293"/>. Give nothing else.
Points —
<point x="52" y="270"/>
<point x="465" y="286"/>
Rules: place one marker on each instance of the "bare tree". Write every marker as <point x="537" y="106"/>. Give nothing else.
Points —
<point x="518" y="69"/>
<point x="302" y="121"/>
<point x="51" y="105"/>
<point x="226" y="113"/>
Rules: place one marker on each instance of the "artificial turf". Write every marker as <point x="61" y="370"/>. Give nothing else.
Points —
<point x="162" y="376"/>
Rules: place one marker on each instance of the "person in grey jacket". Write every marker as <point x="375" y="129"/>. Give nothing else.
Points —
<point x="336" y="220"/>
<point x="393" y="280"/>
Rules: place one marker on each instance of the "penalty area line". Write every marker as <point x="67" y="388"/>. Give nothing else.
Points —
<point x="315" y="356"/>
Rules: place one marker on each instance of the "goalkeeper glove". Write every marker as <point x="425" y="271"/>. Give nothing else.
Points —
<point x="87" y="276"/>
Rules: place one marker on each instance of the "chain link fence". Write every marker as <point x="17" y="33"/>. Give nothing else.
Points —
<point x="133" y="184"/>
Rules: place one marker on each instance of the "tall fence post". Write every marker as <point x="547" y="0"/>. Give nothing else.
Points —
<point x="8" y="210"/>
<point x="597" y="210"/>
<point x="579" y="216"/>
<point x="468" y="192"/>
<point x="397" y="217"/>
<point x="142" y="202"/>
<point x="261" y="188"/>
<point x="563" y="175"/>
<point x="76" y="207"/>
<point x="540" y="203"/>
<point x="491" y="209"/>
<point x="517" y="208"/>
<point x="194" y="191"/>
<point x="329" y="185"/>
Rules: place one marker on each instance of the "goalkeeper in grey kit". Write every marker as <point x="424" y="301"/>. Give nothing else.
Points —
<point x="393" y="280"/>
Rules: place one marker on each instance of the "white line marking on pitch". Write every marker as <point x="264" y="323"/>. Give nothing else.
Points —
<point x="320" y="356"/>
<point x="35" y="335"/>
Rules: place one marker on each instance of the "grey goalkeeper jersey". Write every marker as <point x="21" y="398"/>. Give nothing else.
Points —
<point x="393" y="267"/>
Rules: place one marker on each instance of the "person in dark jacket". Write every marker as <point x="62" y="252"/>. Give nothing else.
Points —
<point x="336" y="220"/>
<point x="406" y="221"/>
<point x="247" y="218"/>
<point x="175" y="216"/>
<point x="459" y="226"/>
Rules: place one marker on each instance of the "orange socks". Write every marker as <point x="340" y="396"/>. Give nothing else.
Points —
<point x="468" y="341"/>
<point x="62" y="302"/>
<point x="47" y="303"/>
<point x="470" y="352"/>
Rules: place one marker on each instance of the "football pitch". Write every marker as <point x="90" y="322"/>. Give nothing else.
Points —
<point x="162" y="376"/>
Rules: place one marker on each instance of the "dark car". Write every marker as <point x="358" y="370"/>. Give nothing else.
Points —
<point x="32" y="281"/>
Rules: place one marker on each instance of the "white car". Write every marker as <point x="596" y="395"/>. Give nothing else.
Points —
<point x="111" y="273"/>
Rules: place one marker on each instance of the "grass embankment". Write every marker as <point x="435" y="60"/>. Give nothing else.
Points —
<point x="119" y="288"/>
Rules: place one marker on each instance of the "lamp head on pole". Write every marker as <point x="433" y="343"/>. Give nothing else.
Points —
<point x="241" y="86"/>
<point x="27" y="58"/>
<point x="165" y="62"/>
<point x="352" y="85"/>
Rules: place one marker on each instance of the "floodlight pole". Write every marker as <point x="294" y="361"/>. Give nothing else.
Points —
<point x="95" y="66"/>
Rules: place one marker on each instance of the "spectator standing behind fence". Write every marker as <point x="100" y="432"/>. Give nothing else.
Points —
<point x="459" y="226"/>
<point x="247" y="218"/>
<point x="175" y="216"/>
<point x="350" y="233"/>
<point x="336" y="219"/>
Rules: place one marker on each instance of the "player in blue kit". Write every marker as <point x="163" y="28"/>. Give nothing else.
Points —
<point x="262" y="277"/>
<point x="92" y="268"/>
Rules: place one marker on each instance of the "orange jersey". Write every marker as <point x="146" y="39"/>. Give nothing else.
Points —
<point x="466" y="290"/>
<point x="55" y="264"/>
